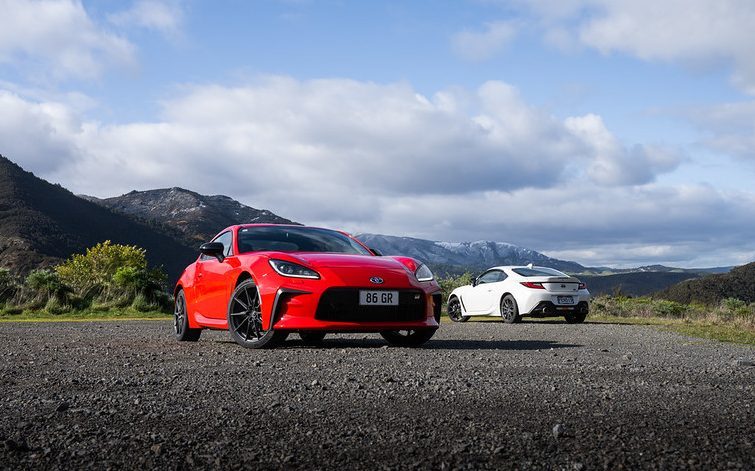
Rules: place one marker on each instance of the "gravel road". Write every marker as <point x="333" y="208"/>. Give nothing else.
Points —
<point x="479" y="395"/>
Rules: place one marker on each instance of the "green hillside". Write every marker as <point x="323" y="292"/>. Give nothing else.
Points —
<point x="634" y="284"/>
<point x="739" y="283"/>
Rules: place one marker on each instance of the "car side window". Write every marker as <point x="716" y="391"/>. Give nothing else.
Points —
<point x="226" y="238"/>
<point x="491" y="276"/>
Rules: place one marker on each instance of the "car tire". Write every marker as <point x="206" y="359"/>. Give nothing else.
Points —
<point x="510" y="310"/>
<point x="408" y="338"/>
<point x="181" y="328"/>
<point x="454" y="310"/>
<point x="245" y="319"/>
<point x="312" y="338"/>
<point x="575" y="317"/>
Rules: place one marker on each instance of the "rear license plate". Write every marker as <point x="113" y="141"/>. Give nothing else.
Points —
<point x="378" y="298"/>
<point x="565" y="299"/>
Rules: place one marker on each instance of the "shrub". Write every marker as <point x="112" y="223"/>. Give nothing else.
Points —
<point x="731" y="312"/>
<point x="12" y="310"/>
<point x="733" y="304"/>
<point x="670" y="309"/>
<point x="55" y="306"/>
<point x="113" y="276"/>
<point x="108" y="276"/>
<point x="140" y="280"/>
<point x="44" y="283"/>
<point x="98" y="266"/>
<point x="8" y="285"/>
<point x="733" y="307"/>
<point x="449" y="283"/>
<point x="142" y="303"/>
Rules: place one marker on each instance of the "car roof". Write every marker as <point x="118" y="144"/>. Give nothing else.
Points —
<point x="509" y="267"/>
<point x="512" y="267"/>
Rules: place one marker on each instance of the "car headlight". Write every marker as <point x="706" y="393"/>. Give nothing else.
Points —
<point x="293" y="270"/>
<point x="423" y="273"/>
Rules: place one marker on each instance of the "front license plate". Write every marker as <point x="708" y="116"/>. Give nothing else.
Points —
<point x="565" y="299"/>
<point x="378" y="298"/>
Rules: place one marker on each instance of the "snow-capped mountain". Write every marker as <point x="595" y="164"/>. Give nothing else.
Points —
<point x="446" y="256"/>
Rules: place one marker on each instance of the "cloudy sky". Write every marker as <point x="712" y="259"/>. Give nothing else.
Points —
<point x="610" y="132"/>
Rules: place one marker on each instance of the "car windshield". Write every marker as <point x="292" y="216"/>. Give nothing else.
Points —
<point x="537" y="271"/>
<point x="296" y="239"/>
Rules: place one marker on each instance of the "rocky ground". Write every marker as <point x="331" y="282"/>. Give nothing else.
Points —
<point x="479" y="395"/>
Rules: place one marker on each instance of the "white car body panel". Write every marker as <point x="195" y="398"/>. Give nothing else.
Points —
<point x="484" y="299"/>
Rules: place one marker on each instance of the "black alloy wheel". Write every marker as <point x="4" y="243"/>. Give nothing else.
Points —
<point x="454" y="310"/>
<point x="509" y="310"/>
<point x="181" y="321"/>
<point x="407" y="338"/>
<point x="245" y="319"/>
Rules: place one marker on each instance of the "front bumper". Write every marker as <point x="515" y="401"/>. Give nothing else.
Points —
<point x="336" y="309"/>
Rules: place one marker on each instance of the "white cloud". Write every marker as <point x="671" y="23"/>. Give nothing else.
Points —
<point x="57" y="39"/>
<point x="39" y="136"/>
<point x="696" y="33"/>
<point x="369" y="157"/>
<point x="478" y="46"/>
<point x="383" y="138"/>
<point x="165" y="17"/>
<point x="728" y="128"/>
<point x="613" y="163"/>
<point x="684" y="226"/>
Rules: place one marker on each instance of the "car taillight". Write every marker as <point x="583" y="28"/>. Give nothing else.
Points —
<point x="583" y="286"/>
<point x="533" y="285"/>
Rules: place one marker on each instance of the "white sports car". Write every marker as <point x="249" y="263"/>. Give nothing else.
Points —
<point x="515" y="291"/>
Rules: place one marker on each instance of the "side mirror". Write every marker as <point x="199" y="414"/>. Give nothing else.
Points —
<point x="376" y="252"/>
<point x="474" y="281"/>
<point x="213" y="249"/>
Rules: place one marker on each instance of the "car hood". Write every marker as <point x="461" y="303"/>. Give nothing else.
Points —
<point x="334" y="260"/>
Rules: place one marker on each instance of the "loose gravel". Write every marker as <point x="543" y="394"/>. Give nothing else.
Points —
<point x="479" y="395"/>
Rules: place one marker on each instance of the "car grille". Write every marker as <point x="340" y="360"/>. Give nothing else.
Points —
<point x="342" y="304"/>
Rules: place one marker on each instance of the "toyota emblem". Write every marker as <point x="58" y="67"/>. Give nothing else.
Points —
<point x="376" y="280"/>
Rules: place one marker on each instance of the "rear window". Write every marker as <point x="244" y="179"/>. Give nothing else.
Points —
<point x="537" y="271"/>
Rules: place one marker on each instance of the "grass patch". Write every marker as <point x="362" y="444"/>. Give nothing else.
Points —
<point x="722" y="333"/>
<point x="731" y="320"/>
<point x="83" y="316"/>
<point x="691" y="328"/>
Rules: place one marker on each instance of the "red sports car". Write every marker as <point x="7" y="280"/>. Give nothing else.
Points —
<point x="262" y="282"/>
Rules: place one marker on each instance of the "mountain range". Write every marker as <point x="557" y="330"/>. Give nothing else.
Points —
<point x="463" y="256"/>
<point x="197" y="217"/>
<point x="42" y="224"/>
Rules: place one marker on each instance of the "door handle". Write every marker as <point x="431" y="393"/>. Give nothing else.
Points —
<point x="199" y="275"/>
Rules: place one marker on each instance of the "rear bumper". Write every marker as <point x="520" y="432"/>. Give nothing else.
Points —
<point x="548" y="309"/>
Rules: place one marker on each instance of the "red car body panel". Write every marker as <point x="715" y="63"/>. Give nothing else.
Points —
<point x="291" y="303"/>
